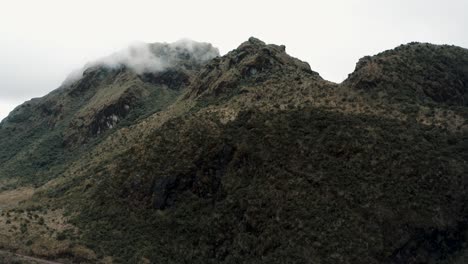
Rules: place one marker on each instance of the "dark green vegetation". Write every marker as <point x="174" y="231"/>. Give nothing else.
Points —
<point x="260" y="160"/>
<point x="42" y="136"/>
<point x="418" y="72"/>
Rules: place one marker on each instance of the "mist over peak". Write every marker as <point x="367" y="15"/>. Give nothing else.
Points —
<point x="143" y="57"/>
<point x="277" y="163"/>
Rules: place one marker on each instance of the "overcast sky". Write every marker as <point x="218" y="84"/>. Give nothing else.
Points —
<point x="42" y="41"/>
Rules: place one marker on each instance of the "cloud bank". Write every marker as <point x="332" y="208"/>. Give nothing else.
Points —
<point x="156" y="57"/>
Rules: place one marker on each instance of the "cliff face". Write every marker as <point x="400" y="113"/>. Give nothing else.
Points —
<point x="253" y="158"/>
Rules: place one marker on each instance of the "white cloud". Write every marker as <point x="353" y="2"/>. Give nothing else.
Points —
<point x="41" y="44"/>
<point x="143" y="57"/>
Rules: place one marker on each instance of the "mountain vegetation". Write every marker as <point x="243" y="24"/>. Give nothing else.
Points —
<point x="251" y="157"/>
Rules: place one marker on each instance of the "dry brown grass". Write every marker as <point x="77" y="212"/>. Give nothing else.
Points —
<point x="11" y="198"/>
<point x="35" y="231"/>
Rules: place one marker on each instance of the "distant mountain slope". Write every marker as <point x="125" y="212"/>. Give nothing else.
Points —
<point x="42" y="135"/>
<point x="247" y="158"/>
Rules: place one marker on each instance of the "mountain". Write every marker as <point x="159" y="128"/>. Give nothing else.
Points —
<point x="43" y="134"/>
<point x="417" y="71"/>
<point x="173" y="154"/>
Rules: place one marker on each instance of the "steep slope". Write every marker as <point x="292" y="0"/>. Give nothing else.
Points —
<point x="42" y="135"/>
<point x="260" y="160"/>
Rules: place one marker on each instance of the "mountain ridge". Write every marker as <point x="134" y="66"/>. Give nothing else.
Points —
<point x="250" y="157"/>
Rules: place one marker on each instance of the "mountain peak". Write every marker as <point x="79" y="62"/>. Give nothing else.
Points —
<point x="255" y="43"/>
<point x="255" y="40"/>
<point x="252" y="62"/>
<point x="415" y="71"/>
<point x="143" y="58"/>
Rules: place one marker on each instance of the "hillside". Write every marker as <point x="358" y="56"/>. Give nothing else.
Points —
<point x="41" y="136"/>
<point x="250" y="157"/>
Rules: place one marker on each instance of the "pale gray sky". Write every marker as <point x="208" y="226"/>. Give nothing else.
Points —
<point x="42" y="41"/>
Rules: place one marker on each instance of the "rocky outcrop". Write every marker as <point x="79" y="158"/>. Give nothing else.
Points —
<point x="253" y="62"/>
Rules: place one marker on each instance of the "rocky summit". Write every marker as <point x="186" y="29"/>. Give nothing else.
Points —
<point x="170" y="153"/>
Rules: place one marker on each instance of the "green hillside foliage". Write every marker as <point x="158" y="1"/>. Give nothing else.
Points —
<point x="251" y="158"/>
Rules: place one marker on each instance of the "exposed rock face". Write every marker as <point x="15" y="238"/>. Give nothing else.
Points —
<point x="253" y="158"/>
